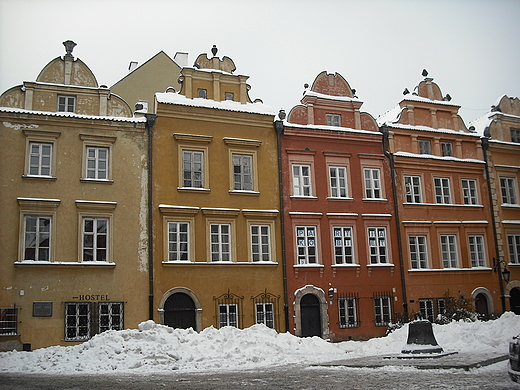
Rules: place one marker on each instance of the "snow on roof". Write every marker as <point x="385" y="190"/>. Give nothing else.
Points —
<point x="481" y="123"/>
<point x="226" y="105"/>
<point x="330" y="128"/>
<point x="309" y="92"/>
<point x="73" y="115"/>
<point x="431" y="156"/>
<point x="416" y="98"/>
<point x="431" y="129"/>
<point x="390" y="116"/>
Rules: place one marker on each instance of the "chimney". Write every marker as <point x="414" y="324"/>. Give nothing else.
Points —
<point x="132" y="66"/>
<point x="181" y="58"/>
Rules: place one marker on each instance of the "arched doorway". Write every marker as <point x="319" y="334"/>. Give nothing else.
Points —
<point x="310" y="316"/>
<point x="514" y="300"/>
<point x="179" y="311"/>
<point x="481" y="306"/>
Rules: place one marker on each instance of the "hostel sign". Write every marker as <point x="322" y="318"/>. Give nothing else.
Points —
<point x="92" y="297"/>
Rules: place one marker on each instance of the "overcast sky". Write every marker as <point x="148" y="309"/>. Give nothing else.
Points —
<point x="470" y="48"/>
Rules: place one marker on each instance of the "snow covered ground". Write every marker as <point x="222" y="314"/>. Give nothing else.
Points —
<point x="157" y="348"/>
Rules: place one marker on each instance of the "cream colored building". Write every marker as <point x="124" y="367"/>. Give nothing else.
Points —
<point x="73" y="209"/>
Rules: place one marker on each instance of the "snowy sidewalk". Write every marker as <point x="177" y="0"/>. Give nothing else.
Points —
<point x="464" y="361"/>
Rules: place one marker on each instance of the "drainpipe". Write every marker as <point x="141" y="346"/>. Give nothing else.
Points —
<point x="485" y="148"/>
<point x="384" y="130"/>
<point x="150" y="122"/>
<point x="278" y="127"/>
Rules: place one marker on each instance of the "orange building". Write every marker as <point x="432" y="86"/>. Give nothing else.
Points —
<point x="444" y="219"/>
<point x="216" y="223"/>
<point x="343" y="271"/>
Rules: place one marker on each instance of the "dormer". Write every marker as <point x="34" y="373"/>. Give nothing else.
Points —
<point x="330" y="101"/>
<point x="213" y="78"/>
<point x="66" y="84"/>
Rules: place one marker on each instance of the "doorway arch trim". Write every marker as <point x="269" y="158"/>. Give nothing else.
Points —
<point x="191" y="294"/>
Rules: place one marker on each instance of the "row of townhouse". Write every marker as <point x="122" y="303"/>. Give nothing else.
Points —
<point x="202" y="208"/>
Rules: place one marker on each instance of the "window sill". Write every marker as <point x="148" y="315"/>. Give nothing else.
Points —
<point x="345" y="266"/>
<point x="96" y="264"/>
<point x="303" y="197"/>
<point x="510" y="205"/>
<point x="35" y="177"/>
<point x="193" y="189"/>
<point x="450" y="269"/>
<point x="443" y="204"/>
<point x="375" y="199"/>
<point x="339" y="198"/>
<point x="217" y="263"/>
<point x="382" y="265"/>
<point x="244" y="192"/>
<point x="103" y="181"/>
<point x="308" y="266"/>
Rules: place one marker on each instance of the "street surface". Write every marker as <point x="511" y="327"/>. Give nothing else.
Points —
<point x="299" y="377"/>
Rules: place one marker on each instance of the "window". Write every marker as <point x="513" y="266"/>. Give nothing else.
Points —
<point x="333" y="120"/>
<point x="260" y="243"/>
<point x="202" y="93"/>
<point x="446" y="149"/>
<point x="110" y="316"/>
<point x="372" y="183"/>
<point x="382" y="310"/>
<point x="193" y="168"/>
<point x="66" y="103"/>
<point x="469" y="191"/>
<point x="513" y="242"/>
<point x="425" y="147"/>
<point x="427" y="309"/>
<point x="265" y="313"/>
<point x="84" y="319"/>
<point x="229" y="96"/>
<point x="227" y="314"/>
<point x="37" y="238"/>
<point x="338" y="182"/>
<point x="476" y="250"/>
<point x="97" y="163"/>
<point x="442" y="190"/>
<point x="95" y="239"/>
<point x="449" y="250"/>
<point x="377" y="245"/>
<point x="40" y="159"/>
<point x="178" y="241"/>
<point x="243" y="172"/>
<point x="418" y="252"/>
<point x="515" y="135"/>
<point x="348" y="317"/>
<point x="220" y="241"/>
<point x="343" y="245"/>
<point x="412" y="186"/>
<point x="8" y="321"/>
<point x="306" y="246"/>
<point x="508" y="187"/>
<point x="301" y="180"/>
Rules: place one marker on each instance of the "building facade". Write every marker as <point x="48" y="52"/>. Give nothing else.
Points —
<point x="73" y="201"/>
<point x="343" y="271"/>
<point x="442" y="204"/>
<point x="217" y="245"/>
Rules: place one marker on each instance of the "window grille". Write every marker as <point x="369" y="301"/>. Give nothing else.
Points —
<point x="383" y="308"/>
<point x="224" y="313"/>
<point x="267" y="309"/>
<point x="9" y="321"/>
<point x="348" y="310"/>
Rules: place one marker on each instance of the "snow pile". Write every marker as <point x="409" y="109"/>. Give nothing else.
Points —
<point x="158" y="348"/>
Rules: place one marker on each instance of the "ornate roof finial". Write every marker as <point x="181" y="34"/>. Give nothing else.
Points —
<point x="214" y="50"/>
<point x="69" y="46"/>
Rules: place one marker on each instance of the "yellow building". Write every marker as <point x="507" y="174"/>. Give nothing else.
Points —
<point x="73" y="209"/>
<point x="216" y="220"/>
<point x="501" y="130"/>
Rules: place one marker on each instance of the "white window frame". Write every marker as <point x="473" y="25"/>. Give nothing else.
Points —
<point x="442" y="190"/>
<point x="508" y="190"/>
<point x="260" y="242"/>
<point x="196" y="175"/>
<point x="302" y="183"/>
<point x="333" y="120"/>
<point x="418" y="245"/>
<point x="469" y="191"/>
<point x="513" y="244"/>
<point x="446" y="149"/>
<point x="373" y="185"/>
<point x="41" y="138"/>
<point x="343" y="244"/>
<point x="425" y="146"/>
<point x="338" y="182"/>
<point x="477" y="251"/>
<point x="306" y="241"/>
<point x="81" y="323"/>
<point x="413" y="188"/>
<point x="228" y="314"/>
<point x="95" y="236"/>
<point x="220" y="242"/>
<point x="202" y="93"/>
<point x="378" y="250"/>
<point x="264" y="313"/>
<point x="43" y="160"/>
<point x="66" y="103"/>
<point x="347" y="310"/>
<point x="39" y="237"/>
<point x="243" y="172"/>
<point x="97" y="143"/>
<point x="110" y="318"/>
<point x="427" y="309"/>
<point x="449" y="251"/>
<point x="382" y="310"/>
<point x="176" y="239"/>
